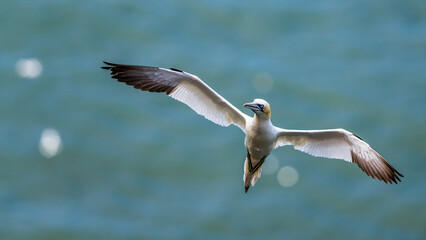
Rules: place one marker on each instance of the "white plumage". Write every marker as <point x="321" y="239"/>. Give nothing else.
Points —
<point x="261" y="135"/>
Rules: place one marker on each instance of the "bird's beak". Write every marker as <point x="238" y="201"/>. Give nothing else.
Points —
<point x="253" y="106"/>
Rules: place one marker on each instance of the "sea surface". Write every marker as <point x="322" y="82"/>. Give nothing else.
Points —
<point x="85" y="157"/>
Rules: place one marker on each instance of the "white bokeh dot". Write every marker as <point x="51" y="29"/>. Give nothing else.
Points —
<point x="287" y="176"/>
<point x="29" y="68"/>
<point x="263" y="82"/>
<point x="50" y="143"/>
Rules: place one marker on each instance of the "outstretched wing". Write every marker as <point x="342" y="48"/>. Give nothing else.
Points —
<point x="183" y="87"/>
<point x="339" y="144"/>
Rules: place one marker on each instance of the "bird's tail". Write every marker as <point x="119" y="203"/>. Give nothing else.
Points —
<point x="250" y="177"/>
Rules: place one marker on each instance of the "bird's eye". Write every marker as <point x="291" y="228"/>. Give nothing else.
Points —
<point x="261" y="106"/>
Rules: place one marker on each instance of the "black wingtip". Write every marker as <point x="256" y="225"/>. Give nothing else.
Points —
<point x="396" y="174"/>
<point x="111" y="65"/>
<point x="176" y="70"/>
<point x="395" y="178"/>
<point x="108" y="63"/>
<point x="246" y="189"/>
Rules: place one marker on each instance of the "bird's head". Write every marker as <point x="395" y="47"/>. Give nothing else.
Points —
<point x="260" y="107"/>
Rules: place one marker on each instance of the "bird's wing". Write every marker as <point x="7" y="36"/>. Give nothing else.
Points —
<point x="183" y="87"/>
<point x="339" y="144"/>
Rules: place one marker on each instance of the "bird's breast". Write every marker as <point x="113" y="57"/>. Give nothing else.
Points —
<point x="259" y="141"/>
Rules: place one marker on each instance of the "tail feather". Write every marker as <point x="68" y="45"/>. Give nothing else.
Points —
<point x="249" y="177"/>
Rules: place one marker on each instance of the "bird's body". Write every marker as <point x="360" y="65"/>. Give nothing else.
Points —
<point x="260" y="138"/>
<point x="259" y="142"/>
<point x="261" y="135"/>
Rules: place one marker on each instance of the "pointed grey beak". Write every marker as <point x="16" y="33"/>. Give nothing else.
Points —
<point x="253" y="106"/>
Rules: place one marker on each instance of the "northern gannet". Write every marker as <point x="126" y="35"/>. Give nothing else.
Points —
<point x="261" y="135"/>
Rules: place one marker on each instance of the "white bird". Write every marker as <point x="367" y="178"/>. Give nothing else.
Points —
<point x="261" y="135"/>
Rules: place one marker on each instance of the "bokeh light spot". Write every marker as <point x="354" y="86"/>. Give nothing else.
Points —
<point x="29" y="68"/>
<point x="287" y="176"/>
<point x="263" y="83"/>
<point x="50" y="143"/>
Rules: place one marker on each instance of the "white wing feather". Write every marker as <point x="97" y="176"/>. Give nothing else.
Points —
<point x="339" y="144"/>
<point x="184" y="87"/>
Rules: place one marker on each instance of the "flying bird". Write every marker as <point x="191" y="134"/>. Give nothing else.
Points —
<point x="261" y="135"/>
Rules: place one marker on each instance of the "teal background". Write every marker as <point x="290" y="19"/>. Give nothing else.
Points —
<point x="138" y="165"/>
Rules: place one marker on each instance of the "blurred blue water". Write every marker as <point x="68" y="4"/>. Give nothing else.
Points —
<point x="129" y="170"/>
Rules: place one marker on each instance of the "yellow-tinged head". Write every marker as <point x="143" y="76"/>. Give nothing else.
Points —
<point x="260" y="107"/>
